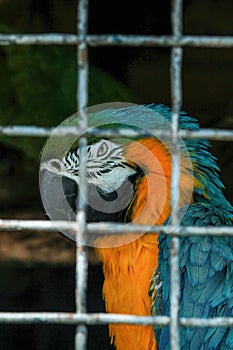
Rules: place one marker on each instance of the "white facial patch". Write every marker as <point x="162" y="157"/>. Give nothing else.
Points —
<point x="106" y="166"/>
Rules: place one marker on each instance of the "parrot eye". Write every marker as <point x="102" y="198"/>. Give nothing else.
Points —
<point x="103" y="149"/>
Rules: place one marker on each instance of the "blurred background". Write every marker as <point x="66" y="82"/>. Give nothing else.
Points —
<point x="38" y="88"/>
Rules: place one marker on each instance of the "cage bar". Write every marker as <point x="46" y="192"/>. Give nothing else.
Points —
<point x="75" y="318"/>
<point x="81" y="247"/>
<point x="176" y="99"/>
<point x="103" y="318"/>
<point x="34" y="131"/>
<point x="118" y="40"/>
<point x="112" y="228"/>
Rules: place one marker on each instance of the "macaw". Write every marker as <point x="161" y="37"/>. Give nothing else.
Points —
<point x="136" y="268"/>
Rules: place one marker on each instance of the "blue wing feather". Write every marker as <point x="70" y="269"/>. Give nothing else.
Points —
<point x="206" y="265"/>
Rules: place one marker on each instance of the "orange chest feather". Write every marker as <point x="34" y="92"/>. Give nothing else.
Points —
<point x="128" y="269"/>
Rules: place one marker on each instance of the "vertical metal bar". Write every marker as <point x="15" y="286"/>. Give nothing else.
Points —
<point x="82" y="100"/>
<point x="176" y="96"/>
<point x="82" y="55"/>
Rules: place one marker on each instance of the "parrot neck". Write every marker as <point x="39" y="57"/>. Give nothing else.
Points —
<point x="128" y="269"/>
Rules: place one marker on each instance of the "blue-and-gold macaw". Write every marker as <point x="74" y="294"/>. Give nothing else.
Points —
<point x="138" y="173"/>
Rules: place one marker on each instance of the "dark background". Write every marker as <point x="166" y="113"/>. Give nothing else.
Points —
<point x="38" y="88"/>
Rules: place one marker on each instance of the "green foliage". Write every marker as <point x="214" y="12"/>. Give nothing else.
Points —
<point x="38" y="88"/>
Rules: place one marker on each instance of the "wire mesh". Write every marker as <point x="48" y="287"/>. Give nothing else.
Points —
<point x="80" y="228"/>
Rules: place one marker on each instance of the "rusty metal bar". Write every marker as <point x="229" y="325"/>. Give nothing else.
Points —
<point x="162" y="41"/>
<point x="81" y="252"/>
<point x="206" y="322"/>
<point x="112" y="228"/>
<point x="39" y="39"/>
<point x="34" y="131"/>
<point x="103" y="318"/>
<point x="208" y="134"/>
<point x="176" y="99"/>
<point x="82" y="101"/>
<point x="76" y="318"/>
<point x="118" y="40"/>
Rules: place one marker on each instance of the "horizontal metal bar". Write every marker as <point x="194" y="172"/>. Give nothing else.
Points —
<point x="103" y="318"/>
<point x="118" y="40"/>
<point x="207" y="322"/>
<point x="37" y="131"/>
<point x="34" y="131"/>
<point x="77" y="318"/>
<point x="208" y="134"/>
<point x="112" y="228"/>
<point x="39" y="39"/>
<point x="163" y="40"/>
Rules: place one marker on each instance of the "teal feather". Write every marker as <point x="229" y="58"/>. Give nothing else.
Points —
<point x="206" y="262"/>
<point x="206" y="283"/>
<point x="196" y="252"/>
<point x="229" y="340"/>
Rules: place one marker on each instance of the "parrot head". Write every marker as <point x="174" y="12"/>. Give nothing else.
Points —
<point x="109" y="175"/>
